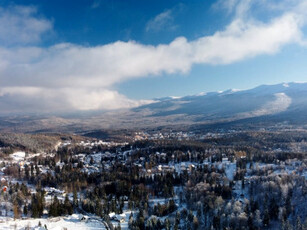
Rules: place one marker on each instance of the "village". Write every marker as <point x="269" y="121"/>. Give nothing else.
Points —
<point x="236" y="172"/>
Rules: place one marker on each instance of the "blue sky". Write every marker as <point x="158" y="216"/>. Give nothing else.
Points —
<point x="107" y="54"/>
<point x="96" y="22"/>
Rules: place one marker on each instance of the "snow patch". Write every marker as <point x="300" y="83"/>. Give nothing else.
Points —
<point x="18" y="156"/>
<point x="74" y="221"/>
<point x="175" y="97"/>
<point x="286" y="85"/>
<point x="201" y="94"/>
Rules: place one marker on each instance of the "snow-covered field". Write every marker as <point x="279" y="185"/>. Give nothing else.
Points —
<point x="18" y="156"/>
<point x="73" y="222"/>
<point x="121" y="219"/>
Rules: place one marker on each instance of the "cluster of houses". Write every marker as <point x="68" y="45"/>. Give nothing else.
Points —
<point x="4" y="185"/>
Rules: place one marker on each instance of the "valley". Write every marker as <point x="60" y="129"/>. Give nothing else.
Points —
<point x="170" y="180"/>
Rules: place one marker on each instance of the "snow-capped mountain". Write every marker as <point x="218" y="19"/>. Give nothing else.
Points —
<point x="265" y="100"/>
<point x="265" y="105"/>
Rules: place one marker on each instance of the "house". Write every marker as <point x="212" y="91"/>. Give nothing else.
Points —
<point x="119" y="218"/>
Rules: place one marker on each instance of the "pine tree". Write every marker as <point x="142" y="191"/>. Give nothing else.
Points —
<point x="250" y="222"/>
<point x="27" y="174"/>
<point x="54" y="208"/>
<point x="266" y="218"/>
<point x="75" y="199"/>
<point x="16" y="211"/>
<point x="298" y="224"/>
<point x="130" y="223"/>
<point x="34" y="206"/>
<point x="37" y="170"/>
<point x="195" y="223"/>
<point x="176" y="226"/>
<point x="167" y="224"/>
<point x="25" y="209"/>
<point x="288" y="226"/>
<point x="32" y="170"/>
<point x="41" y="202"/>
<point x="273" y="209"/>
<point x="257" y="219"/>
<point x="68" y="209"/>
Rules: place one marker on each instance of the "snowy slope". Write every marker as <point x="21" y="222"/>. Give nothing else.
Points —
<point x="74" y="222"/>
<point x="236" y="104"/>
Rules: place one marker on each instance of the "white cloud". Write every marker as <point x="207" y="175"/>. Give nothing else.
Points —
<point x="66" y="65"/>
<point x="87" y="99"/>
<point x="20" y="25"/>
<point x="162" y="21"/>
<point x="96" y="4"/>
<point x="243" y="40"/>
<point x="242" y="8"/>
<point x="228" y="5"/>
<point x="68" y="76"/>
<point x="63" y="99"/>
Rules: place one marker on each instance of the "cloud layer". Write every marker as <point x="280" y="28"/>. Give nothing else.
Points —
<point x="20" y="25"/>
<point x="72" y="77"/>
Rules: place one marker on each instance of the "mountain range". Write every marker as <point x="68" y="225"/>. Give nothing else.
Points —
<point x="264" y="105"/>
<point x="286" y="98"/>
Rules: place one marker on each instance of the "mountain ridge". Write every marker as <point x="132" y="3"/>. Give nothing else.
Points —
<point x="284" y="102"/>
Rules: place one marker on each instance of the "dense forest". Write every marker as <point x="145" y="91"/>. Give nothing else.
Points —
<point x="227" y="182"/>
